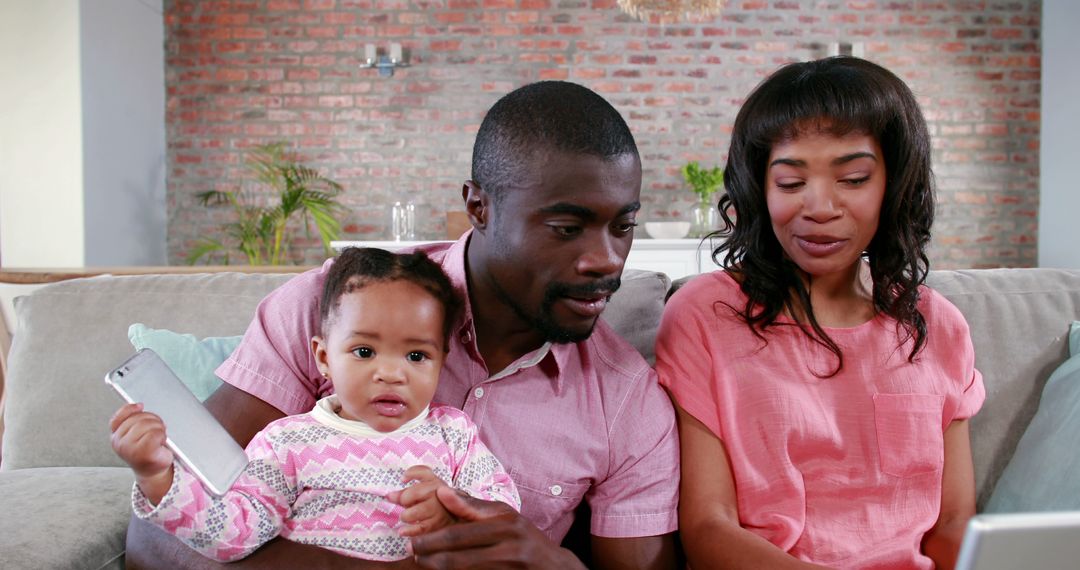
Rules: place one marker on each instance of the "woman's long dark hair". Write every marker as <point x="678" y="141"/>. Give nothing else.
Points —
<point x="837" y="95"/>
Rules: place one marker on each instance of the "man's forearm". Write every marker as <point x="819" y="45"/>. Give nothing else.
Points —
<point x="150" y="547"/>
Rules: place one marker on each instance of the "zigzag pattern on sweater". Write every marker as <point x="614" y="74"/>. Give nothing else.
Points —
<point x="317" y="485"/>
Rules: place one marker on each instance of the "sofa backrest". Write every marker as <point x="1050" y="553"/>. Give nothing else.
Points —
<point x="1019" y="320"/>
<point x="71" y="333"/>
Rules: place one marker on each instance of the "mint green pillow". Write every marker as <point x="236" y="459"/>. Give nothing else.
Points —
<point x="193" y="360"/>
<point x="1044" y="472"/>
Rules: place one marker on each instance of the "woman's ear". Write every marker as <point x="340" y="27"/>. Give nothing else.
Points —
<point x="477" y="205"/>
<point x="318" y="349"/>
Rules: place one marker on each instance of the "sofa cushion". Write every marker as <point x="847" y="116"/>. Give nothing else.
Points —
<point x="81" y="517"/>
<point x="1044" y="473"/>
<point x="193" y="360"/>
<point x="1019" y="320"/>
<point x="635" y="309"/>
<point x="71" y="333"/>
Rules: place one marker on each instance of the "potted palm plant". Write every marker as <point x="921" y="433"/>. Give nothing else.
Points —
<point x="261" y="233"/>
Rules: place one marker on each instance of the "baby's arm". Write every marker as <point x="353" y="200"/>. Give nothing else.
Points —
<point x="138" y="437"/>
<point x="225" y="528"/>
<point x="423" y="511"/>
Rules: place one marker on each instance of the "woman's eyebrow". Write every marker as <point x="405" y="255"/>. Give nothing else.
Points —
<point x="789" y="162"/>
<point x="855" y="155"/>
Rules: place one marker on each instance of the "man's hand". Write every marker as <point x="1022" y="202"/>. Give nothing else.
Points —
<point x="489" y="534"/>
<point x="138" y="437"/>
<point x="423" y="511"/>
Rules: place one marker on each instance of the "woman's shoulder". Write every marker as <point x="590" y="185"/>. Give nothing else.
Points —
<point x="942" y="317"/>
<point x="936" y="306"/>
<point x="706" y="289"/>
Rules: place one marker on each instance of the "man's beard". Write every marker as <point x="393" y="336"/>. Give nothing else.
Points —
<point x="544" y="321"/>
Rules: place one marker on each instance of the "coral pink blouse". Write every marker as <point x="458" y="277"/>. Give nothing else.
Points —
<point x="843" y="471"/>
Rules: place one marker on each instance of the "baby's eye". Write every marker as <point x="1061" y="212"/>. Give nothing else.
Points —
<point x="363" y="352"/>
<point x="417" y="356"/>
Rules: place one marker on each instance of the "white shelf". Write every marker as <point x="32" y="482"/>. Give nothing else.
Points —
<point x="675" y="257"/>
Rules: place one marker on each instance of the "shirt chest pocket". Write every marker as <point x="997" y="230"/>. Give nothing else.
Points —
<point x="909" y="433"/>
<point x="547" y="501"/>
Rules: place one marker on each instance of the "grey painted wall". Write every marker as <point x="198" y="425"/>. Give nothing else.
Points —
<point x="1059" y="205"/>
<point x="123" y="97"/>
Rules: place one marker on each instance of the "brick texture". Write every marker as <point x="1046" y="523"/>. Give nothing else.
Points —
<point x="241" y="73"/>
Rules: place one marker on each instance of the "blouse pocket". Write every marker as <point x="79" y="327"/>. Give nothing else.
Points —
<point x="909" y="433"/>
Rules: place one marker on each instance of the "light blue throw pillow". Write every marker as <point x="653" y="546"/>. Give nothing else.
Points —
<point x="193" y="360"/>
<point x="1044" y="473"/>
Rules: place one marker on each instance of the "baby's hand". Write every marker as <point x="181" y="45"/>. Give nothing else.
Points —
<point x="423" y="511"/>
<point x="138" y="437"/>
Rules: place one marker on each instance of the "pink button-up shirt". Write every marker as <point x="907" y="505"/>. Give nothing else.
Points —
<point x="569" y="421"/>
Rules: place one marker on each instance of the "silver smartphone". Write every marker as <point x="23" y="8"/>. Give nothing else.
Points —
<point x="192" y="433"/>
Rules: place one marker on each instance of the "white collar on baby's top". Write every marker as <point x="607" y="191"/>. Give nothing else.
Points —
<point x="326" y="412"/>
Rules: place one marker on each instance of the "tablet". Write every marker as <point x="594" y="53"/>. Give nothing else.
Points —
<point x="192" y="432"/>
<point x="1011" y="541"/>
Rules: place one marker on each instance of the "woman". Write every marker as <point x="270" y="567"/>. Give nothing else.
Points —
<point x="822" y="391"/>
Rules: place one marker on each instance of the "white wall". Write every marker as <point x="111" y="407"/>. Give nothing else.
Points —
<point x="123" y="95"/>
<point x="82" y="133"/>
<point x="1059" y="153"/>
<point x="41" y="200"/>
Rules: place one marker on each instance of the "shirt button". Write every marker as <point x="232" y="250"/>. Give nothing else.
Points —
<point x="556" y="490"/>
<point x="466" y="337"/>
<point x="479" y="392"/>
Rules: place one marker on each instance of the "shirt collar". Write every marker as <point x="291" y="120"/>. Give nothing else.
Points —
<point x="465" y="331"/>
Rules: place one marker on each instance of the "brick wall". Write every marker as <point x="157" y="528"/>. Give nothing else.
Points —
<point x="241" y="73"/>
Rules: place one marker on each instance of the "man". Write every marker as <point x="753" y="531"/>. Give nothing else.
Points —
<point x="571" y="409"/>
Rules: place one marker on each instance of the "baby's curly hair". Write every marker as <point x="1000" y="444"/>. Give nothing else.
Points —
<point x="356" y="267"/>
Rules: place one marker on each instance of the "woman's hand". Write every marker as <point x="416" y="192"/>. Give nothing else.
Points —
<point x="138" y="437"/>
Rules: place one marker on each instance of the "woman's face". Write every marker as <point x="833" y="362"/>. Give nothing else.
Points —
<point x="824" y="195"/>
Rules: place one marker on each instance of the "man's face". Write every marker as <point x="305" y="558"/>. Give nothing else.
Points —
<point x="559" y="240"/>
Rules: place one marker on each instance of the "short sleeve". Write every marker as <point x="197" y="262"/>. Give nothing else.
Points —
<point x="640" y="495"/>
<point x="684" y="362"/>
<point x="274" y="361"/>
<point x="949" y="338"/>
<point x="973" y="393"/>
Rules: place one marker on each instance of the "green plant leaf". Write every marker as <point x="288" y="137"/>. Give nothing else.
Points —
<point x="205" y="248"/>
<point x="703" y="182"/>
<point x="262" y="231"/>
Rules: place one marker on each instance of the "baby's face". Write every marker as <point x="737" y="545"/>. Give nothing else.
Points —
<point x="383" y="352"/>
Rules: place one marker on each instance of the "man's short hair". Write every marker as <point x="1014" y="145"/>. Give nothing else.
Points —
<point x="548" y="115"/>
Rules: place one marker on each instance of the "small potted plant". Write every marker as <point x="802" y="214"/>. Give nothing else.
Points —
<point x="704" y="182"/>
<point x="262" y="233"/>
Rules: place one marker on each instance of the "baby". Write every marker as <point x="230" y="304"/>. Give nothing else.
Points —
<point x="334" y="477"/>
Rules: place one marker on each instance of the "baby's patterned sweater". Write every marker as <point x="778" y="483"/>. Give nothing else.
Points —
<point x="318" y="479"/>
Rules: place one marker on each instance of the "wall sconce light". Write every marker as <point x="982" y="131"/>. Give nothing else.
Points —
<point x="384" y="63"/>
<point x="854" y="49"/>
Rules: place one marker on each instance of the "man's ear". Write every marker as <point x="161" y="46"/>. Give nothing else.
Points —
<point x="318" y="349"/>
<point x="477" y="205"/>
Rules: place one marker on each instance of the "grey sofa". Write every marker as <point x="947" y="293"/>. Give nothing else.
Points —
<point x="64" y="494"/>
